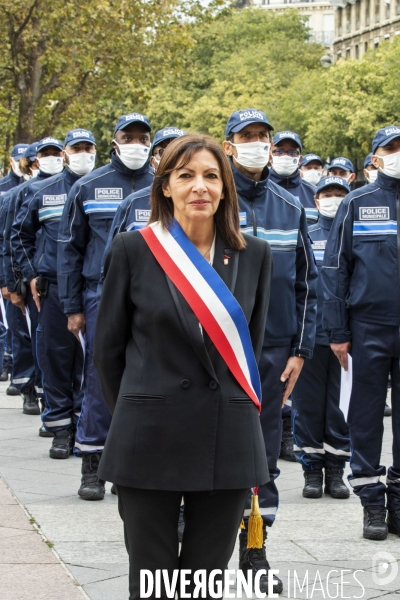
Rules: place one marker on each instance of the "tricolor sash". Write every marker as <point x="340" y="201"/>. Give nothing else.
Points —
<point x="214" y="305"/>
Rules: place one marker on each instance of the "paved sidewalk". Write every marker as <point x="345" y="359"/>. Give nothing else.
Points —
<point x="315" y="536"/>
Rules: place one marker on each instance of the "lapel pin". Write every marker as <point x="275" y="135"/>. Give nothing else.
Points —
<point x="226" y="259"/>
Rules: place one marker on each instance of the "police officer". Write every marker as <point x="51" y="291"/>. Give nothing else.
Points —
<point x="362" y="315"/>
<point x="83" y="231"/>
<point x="312" y="168"/>
<point x="269" y="211"/>
<point x="60" y="353"/>
<point x="286" y="159"/>
<point x="14" y="177"/>
<point x="319" y="428"/>
<point x="342" y="167"/>
<point x="370" y="171"/>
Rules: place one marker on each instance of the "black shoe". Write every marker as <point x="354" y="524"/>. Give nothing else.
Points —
<point x="255" y="559"/>
<point x="30" y="402"/>
<point x="313" y="485"/>
<point x="92" y="488"/>
<point x="4" y="375"/>
<point x="62" y="444"/>
<point x="287" y="441"/>
<point x="114" y="490"/>
<point x="393" y="522"/>
<point x="12" y="391"/>
<point x="375" y="527"/>
<point x="388" y="410"/>
<point x="181" y="525"/>
<point x="44" y="433"/>
<point x="334" y="484"/>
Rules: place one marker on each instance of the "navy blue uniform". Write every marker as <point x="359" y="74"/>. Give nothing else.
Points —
<point x="59" y="352"/>
<point x="361" y="306"/>
<point x="300" y="189"/>
<point x="320" y="431"/>
<point x="84" y="229"/>
<point x="270" y="212"/>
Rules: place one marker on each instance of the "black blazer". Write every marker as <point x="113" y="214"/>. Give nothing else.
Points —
<point x="180" y="420"/>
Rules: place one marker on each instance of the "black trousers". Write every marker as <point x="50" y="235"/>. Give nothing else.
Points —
<point x="150" y="520"/>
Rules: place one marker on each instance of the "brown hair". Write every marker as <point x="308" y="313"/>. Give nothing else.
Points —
<point x="25" y="164"/>
<point x="178" y="154"/>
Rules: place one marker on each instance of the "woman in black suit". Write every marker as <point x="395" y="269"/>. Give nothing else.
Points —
<point x="183" y="427"/>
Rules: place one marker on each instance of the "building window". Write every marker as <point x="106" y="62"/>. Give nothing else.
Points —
<point x="357" y="7"/>
<point x="367" y="12"/>
<point x="377" y="11"/>
<point x="339" y="21"/>
<point x="347" y="52"/>
<point x="398" y="8"/>
<point x="348" y="18"/>
<point x="357" y="52"/>
<point x="387" y="9"/>
<point x="366" y="46"/>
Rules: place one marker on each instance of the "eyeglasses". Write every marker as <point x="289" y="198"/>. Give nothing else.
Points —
<point x="282" y="152"/>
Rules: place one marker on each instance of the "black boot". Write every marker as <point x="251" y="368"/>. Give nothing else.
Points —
<point x="334" y="484"/>
<point x="313" y="484"/>
<point x="375" y="527"/>
<point x="62" y="444"/>
<point x="114" y="490"/>
<point x="44" y="433"/>
<point x="393" y="522"/>
<point x="4" y="374"/>
<point x="255" y="559"/>
<point x="287" y="441"/>
<point x="92" y="488"/>
<point x="30" y="401"/>
<point x="388" y="410"/>
<point x="12" y="390"/>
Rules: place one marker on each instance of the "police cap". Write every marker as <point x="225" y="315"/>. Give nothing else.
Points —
<point x="18" y="151"/>
<point x="126" y="120"/>
<point x="49" y="141"/>
<point x="307" y="158"/>
<point x="384" y="136"/>
<point x="342" y="163"/>
<point x="241" y="118"/>
<point x="287" y="135"/>
<point x="74" y="136"/>
<point x="332" y="180"/>
<point x="168" y="133"/>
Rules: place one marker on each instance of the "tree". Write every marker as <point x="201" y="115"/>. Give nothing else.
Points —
<point x="245" y="58"/>
<point x="58" y="60"/>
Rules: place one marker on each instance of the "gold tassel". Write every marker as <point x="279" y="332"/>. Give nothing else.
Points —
<point x="255" y="525"/>
<point x="242" y="525"/>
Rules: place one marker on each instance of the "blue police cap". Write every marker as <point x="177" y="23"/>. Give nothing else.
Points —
<point x="31" y="151"/>
<point x="287" y="135"/>
<point x="368" y="161"/>
<point x="332" y="180"/>
<point x="74" y="136"/>
<point x="307" y="158"/>
<point x="342" y="163"/>
<point x="384" y="136"/>
<point x="49" y="141"/>
<point x="126" y="120"/>
<point x="168" y="133"/>
<point x="241" y="118"/>
<point x="18" y="151"/>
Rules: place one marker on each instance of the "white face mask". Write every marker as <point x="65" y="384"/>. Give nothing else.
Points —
<point x="312" y="176"/>
<point x="81" y="163"/>
<point x="51" y="165"/>
<point x="254" y="155"/>
<point x="371" y="175"/>
<point x="132" y="155"/>
<point x="15" y="168"/>
<point x="391" y="165"/>
<point x="285" y="165"/>
<point x="328" y="207"/>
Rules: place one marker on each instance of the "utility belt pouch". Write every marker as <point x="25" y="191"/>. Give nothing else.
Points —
<point x="42" y="286"/>
<point x="21" y="288"/>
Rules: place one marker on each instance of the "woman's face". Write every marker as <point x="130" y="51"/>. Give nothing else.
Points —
<point x="196" y="189"/>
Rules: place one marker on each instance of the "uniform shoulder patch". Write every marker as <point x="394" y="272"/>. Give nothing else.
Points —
<point x="374" y="213"/>
<point x="142" y="214"/>
<point x="108" y="194"/>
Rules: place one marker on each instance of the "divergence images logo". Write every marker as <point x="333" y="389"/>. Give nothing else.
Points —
<point x="384" y="568"/>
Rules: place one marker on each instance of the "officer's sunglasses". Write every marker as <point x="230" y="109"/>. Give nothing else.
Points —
<point x="282" y="152"/>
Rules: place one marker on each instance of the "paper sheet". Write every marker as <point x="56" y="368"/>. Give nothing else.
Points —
<point x="3" y="311"/>
<point x="346" y="383"/>
<point x="83" y="344"/>
<point x="28" y="320"/>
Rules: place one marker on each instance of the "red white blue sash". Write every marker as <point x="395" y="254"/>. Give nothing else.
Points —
<point x="214" y="305"/>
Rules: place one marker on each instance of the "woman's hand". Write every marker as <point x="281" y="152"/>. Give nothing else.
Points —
<point x="291" y="374"/>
